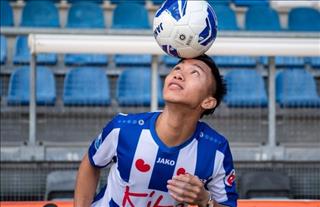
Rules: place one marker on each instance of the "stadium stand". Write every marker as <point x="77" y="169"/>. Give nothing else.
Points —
<point x="245" y="89"/>
<point x="22" y="54"/>
<point x="228" y="22"/>
<point x="40" y="14"/>
<point x="86" y="87"/>
<point x="18" y="93"/>
<point x="268" y="19"/>
<point x="315" y="62"/>
<point x="92" y="1"/>
<point x="60" y="185"/>
<point x="265" y="185"/>
<point x="3" y="50"/>
<point x="6" y="14"/>
<point x="169" y="61"/>
<point x="131" y="16"/>
<point x="85" y="15"/>
<point x="125" y="1"/>
<point x="304" y="20"/>
<point x="296" y="88"/>
<point x="133" y="87"/>
<point x="250" y="2"/>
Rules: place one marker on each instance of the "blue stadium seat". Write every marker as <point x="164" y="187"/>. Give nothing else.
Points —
<point x="227" y="21"/>
<point x="245" y="89"/>
<point x="40" y="14"/>
<point x="6" y="14"/>
<point x="284" y="61"/>
<point x="235" y="61"/>
<point x="85" y="15"/>
<point x="22" y="54"/>
<point x="262" y="18"/>
<point x="92" y="1"/>
<point x="3" y="51"/>
<point x="126" y="1"/>
<point x="304" y="19"/>
<point x="134" y="87"/>
<point x="226" y="17"/>
<point x="86" y="86"/>
<point x="296" y="88"/>
<point x="18" y="93"/>
<point x="131" y="16"/>
<point x="219" y="2"/>
<point x="315" y="62"/>
<point x="251" y="2"/>
<point x="157" y="2"/>
<point x="170" y="61"/>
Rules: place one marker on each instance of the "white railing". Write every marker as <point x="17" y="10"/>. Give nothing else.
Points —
<point x="145" y="44"/>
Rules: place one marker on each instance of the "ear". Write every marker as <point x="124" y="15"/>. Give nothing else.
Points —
<point x="209" y="103"/>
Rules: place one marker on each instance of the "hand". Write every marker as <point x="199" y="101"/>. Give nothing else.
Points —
<point x="188" y="189"/>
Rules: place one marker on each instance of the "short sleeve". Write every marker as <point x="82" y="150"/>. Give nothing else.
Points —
<point x="103" y="148"/>
<point x="223" y="186"/>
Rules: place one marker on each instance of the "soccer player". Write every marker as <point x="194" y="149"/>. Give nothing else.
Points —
<point x="168" y="158"/>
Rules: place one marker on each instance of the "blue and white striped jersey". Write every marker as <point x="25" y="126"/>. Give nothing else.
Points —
<point x="144" y="163"/>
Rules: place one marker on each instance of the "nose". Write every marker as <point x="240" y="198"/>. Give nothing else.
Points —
<point x="178" y="76"/>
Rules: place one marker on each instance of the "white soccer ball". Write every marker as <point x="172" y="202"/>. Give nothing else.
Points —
<point x="185" y="29"/>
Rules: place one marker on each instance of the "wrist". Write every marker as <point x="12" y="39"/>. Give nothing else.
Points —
<point x="208" y="202"/>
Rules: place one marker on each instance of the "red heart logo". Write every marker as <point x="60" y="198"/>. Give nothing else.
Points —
<point x="181" y="171"/>
<point x="141" y="166"/>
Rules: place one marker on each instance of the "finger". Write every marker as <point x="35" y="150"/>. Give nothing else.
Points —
<point x="181" y="199"/>
<point x="193" y="180"/>
<point x="182" y="193"/>
<point x="182" y="185"/>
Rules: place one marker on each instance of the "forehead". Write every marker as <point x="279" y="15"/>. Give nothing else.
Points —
<point x="198" y="63"/>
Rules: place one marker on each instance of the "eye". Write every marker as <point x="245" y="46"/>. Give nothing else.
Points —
<point x="195" y="72"/>
<point x="177" y="68"/>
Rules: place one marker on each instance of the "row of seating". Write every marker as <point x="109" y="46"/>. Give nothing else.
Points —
<point x="157" y="2"/>
<point x="85" y="86"/>
<point x="22" y="56"/>
<point x="87" y="14"/>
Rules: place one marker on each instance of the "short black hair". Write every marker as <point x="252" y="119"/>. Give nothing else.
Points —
<point x="220" y="86"/>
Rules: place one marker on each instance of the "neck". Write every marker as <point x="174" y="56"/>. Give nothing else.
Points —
<point x="176" y="124"/>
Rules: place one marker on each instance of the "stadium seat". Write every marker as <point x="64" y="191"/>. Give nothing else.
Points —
<point x="131" y="16"/>
<point x="235" y="61"/>
<point x="219" y="2"/>
<point x="18" y="93"/>
<point x="315" y="62"/>
<point x="296" y="88"/>
<point x="6" y="14"/>
<point x="226" y="17"/>
<point x="227" y="21"/>
<point x="157" y="2"/>
<point x="86" y="86"/>
<point x="134" y="87"/>
<point x="262" y="18"/>
<point x="92" y="1"/>
<point x="22" y="54"/>
<point x="126" y="1"/>
<point x="60" y="185"/>
<point x="86" y="15"/>
<point x="245" y="89"/>
<point x="3" y="51"/>
<point x="285" y="61"/>
<point x="40" y="14"/>
<point x="251" y="2"/>
<point x="265" y="185"/>
<point x="304" y="20"/>
<point x="170" y="61"/>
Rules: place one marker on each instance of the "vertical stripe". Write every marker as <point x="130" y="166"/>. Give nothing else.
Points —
<point x="144" y="159"/>
<point x="187" y="159"/>
<point x="205" y="158"/>
<point x="163" y="170"/>
<point x="217" y="186"/>
<point x="128" y="140"/>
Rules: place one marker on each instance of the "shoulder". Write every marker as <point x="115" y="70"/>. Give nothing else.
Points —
<point x="211" y="136"/>
<point x="138" y="119"/>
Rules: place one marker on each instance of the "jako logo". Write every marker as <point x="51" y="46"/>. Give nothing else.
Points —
<point x="158" y="29"/>
<point x="166" y="161"/>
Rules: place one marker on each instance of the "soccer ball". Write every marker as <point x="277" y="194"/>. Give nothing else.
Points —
<point x="185" y="29"/>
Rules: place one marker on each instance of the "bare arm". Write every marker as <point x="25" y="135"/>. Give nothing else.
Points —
<point x="86" y="184"/>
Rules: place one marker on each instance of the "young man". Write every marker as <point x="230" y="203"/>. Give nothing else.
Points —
<point x="168" y="158"/>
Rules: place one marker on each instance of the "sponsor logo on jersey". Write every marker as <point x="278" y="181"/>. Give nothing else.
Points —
<point x="230" y="178"/>
<point x="166" y="161"/>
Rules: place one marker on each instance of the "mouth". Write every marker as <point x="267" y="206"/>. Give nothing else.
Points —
<point x="174" y="86"/>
